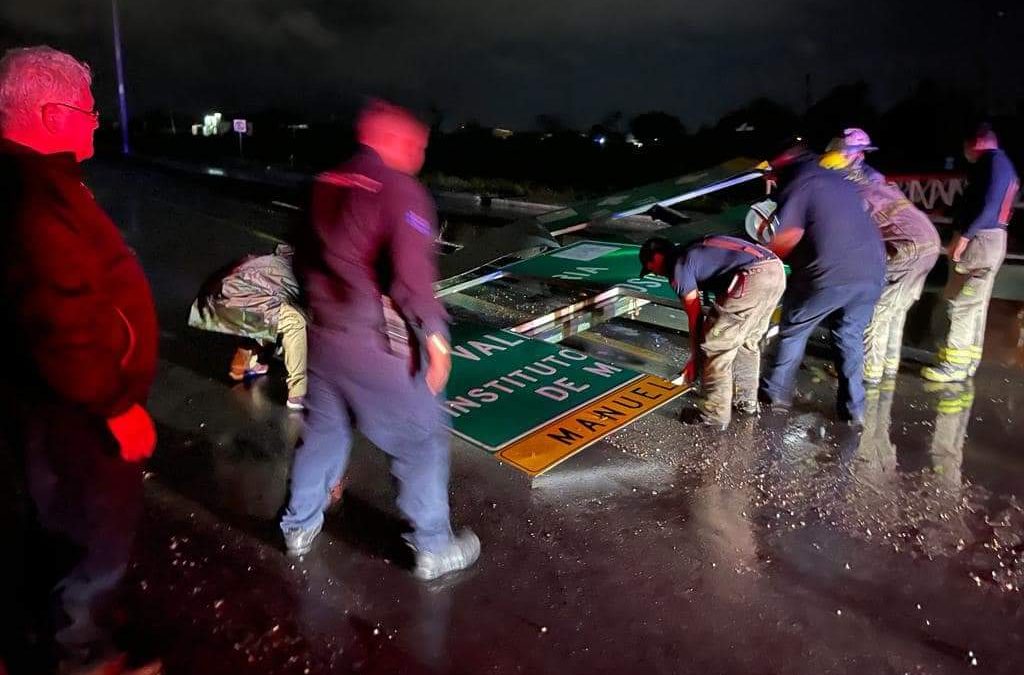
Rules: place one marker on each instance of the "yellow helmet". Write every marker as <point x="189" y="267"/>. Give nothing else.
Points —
<point x="834" y="159"/>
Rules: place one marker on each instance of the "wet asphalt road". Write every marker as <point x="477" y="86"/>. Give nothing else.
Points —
<point x="783" y="546"/>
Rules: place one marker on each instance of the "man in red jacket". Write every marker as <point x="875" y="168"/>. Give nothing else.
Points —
<point x="80" y="334"/>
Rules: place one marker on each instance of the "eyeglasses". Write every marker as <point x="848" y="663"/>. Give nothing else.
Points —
<point x="94" y="113"/>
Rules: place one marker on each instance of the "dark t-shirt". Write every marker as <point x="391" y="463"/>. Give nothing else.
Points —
<point x="987" y="203"/>
<point x="706" y="267"/>
<point x="841" y="245"/>
<point x="372" y="233"/>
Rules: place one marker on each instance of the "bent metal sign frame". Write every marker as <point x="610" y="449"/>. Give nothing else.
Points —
<point x="534" y="404"/>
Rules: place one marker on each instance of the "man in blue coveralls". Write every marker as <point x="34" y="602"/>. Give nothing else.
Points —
<point x="378" y="341"/>
<point x="838" y="267"/>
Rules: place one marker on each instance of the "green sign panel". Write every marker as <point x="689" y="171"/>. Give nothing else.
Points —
<point x="596" y="263"/>
<point x="604" y="264"/>
<point x="640" y="199"/>
<point x="504" y="385"/>
<point x="729" y="222"/>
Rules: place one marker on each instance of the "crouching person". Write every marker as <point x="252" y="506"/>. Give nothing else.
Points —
<point x="747" y="282"/>
<point x="257" y="299"/>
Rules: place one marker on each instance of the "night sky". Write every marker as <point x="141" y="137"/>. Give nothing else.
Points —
<point x="503" y="62"/>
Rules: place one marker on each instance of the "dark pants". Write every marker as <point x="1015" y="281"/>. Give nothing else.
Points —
<point x="85" y="505"/>
<point x="354" y="382"/>
<point x="847" y="309"/>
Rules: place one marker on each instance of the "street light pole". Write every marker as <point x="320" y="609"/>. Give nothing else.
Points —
<point x="119" y="61"/>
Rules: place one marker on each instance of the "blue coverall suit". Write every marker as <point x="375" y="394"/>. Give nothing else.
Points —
<point x="370" y="248"/>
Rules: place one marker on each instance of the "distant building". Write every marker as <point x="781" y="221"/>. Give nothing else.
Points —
<point x="214" y="124"/>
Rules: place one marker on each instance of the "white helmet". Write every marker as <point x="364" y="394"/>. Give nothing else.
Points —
<point x="761" y="222"/>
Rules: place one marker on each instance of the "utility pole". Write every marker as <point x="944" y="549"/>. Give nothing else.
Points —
<point x="119" y="62"/>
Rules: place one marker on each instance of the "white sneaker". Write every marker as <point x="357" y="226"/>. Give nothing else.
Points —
<point x="299" y="542"/>
<point x="460" y="553"/>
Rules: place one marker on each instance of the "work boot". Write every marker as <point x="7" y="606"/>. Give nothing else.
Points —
<point x="712" y="422"/>
<point x="299" y="542"/>
<point x="944" y="372"/>
<point x="246" y="363"/>
<point x="775" y="407"/>
<point x="714" y="417"/>
<point x="747" y="407"/>
<point x="704" y="418"/>
<point x="854" y="421"/>
<point x="461" y="552"/>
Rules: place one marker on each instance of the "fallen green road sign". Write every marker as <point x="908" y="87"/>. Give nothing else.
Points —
<point x="535" y="404"/>
<point x="596" y="264"/>
<point x="729" y="222"/>
<point x="539" y="231"/>
<point x="640" y="199"/>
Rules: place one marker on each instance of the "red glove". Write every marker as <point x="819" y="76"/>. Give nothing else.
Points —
<point x="690" y="372"/>
<point x="134" y="432"/>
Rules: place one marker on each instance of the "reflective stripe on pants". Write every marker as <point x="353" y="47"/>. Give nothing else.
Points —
<point x="905" y="279"/>
<point x="967" y="296"/>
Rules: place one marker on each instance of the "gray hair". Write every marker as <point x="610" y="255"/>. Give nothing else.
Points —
<point x="33" y="76"/>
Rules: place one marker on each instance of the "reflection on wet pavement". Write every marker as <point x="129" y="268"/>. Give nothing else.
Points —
<point x="783" y="545"/>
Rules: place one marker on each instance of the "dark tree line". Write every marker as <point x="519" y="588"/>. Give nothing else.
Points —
<point x="921" y="132"/>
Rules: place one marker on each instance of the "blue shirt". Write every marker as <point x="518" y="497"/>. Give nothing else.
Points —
<point x="706" y="267"/>
<point x="841" y="245"/>
<point x="988" y="200"/>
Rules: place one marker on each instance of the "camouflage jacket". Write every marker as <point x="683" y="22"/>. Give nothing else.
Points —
<point x="245" y="298"/>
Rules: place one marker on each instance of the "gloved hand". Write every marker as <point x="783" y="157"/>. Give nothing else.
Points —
<point x="134" y="432"/>
<point x="690" y="372"/>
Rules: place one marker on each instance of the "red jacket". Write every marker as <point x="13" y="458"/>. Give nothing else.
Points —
<point x="75" y="307"/>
